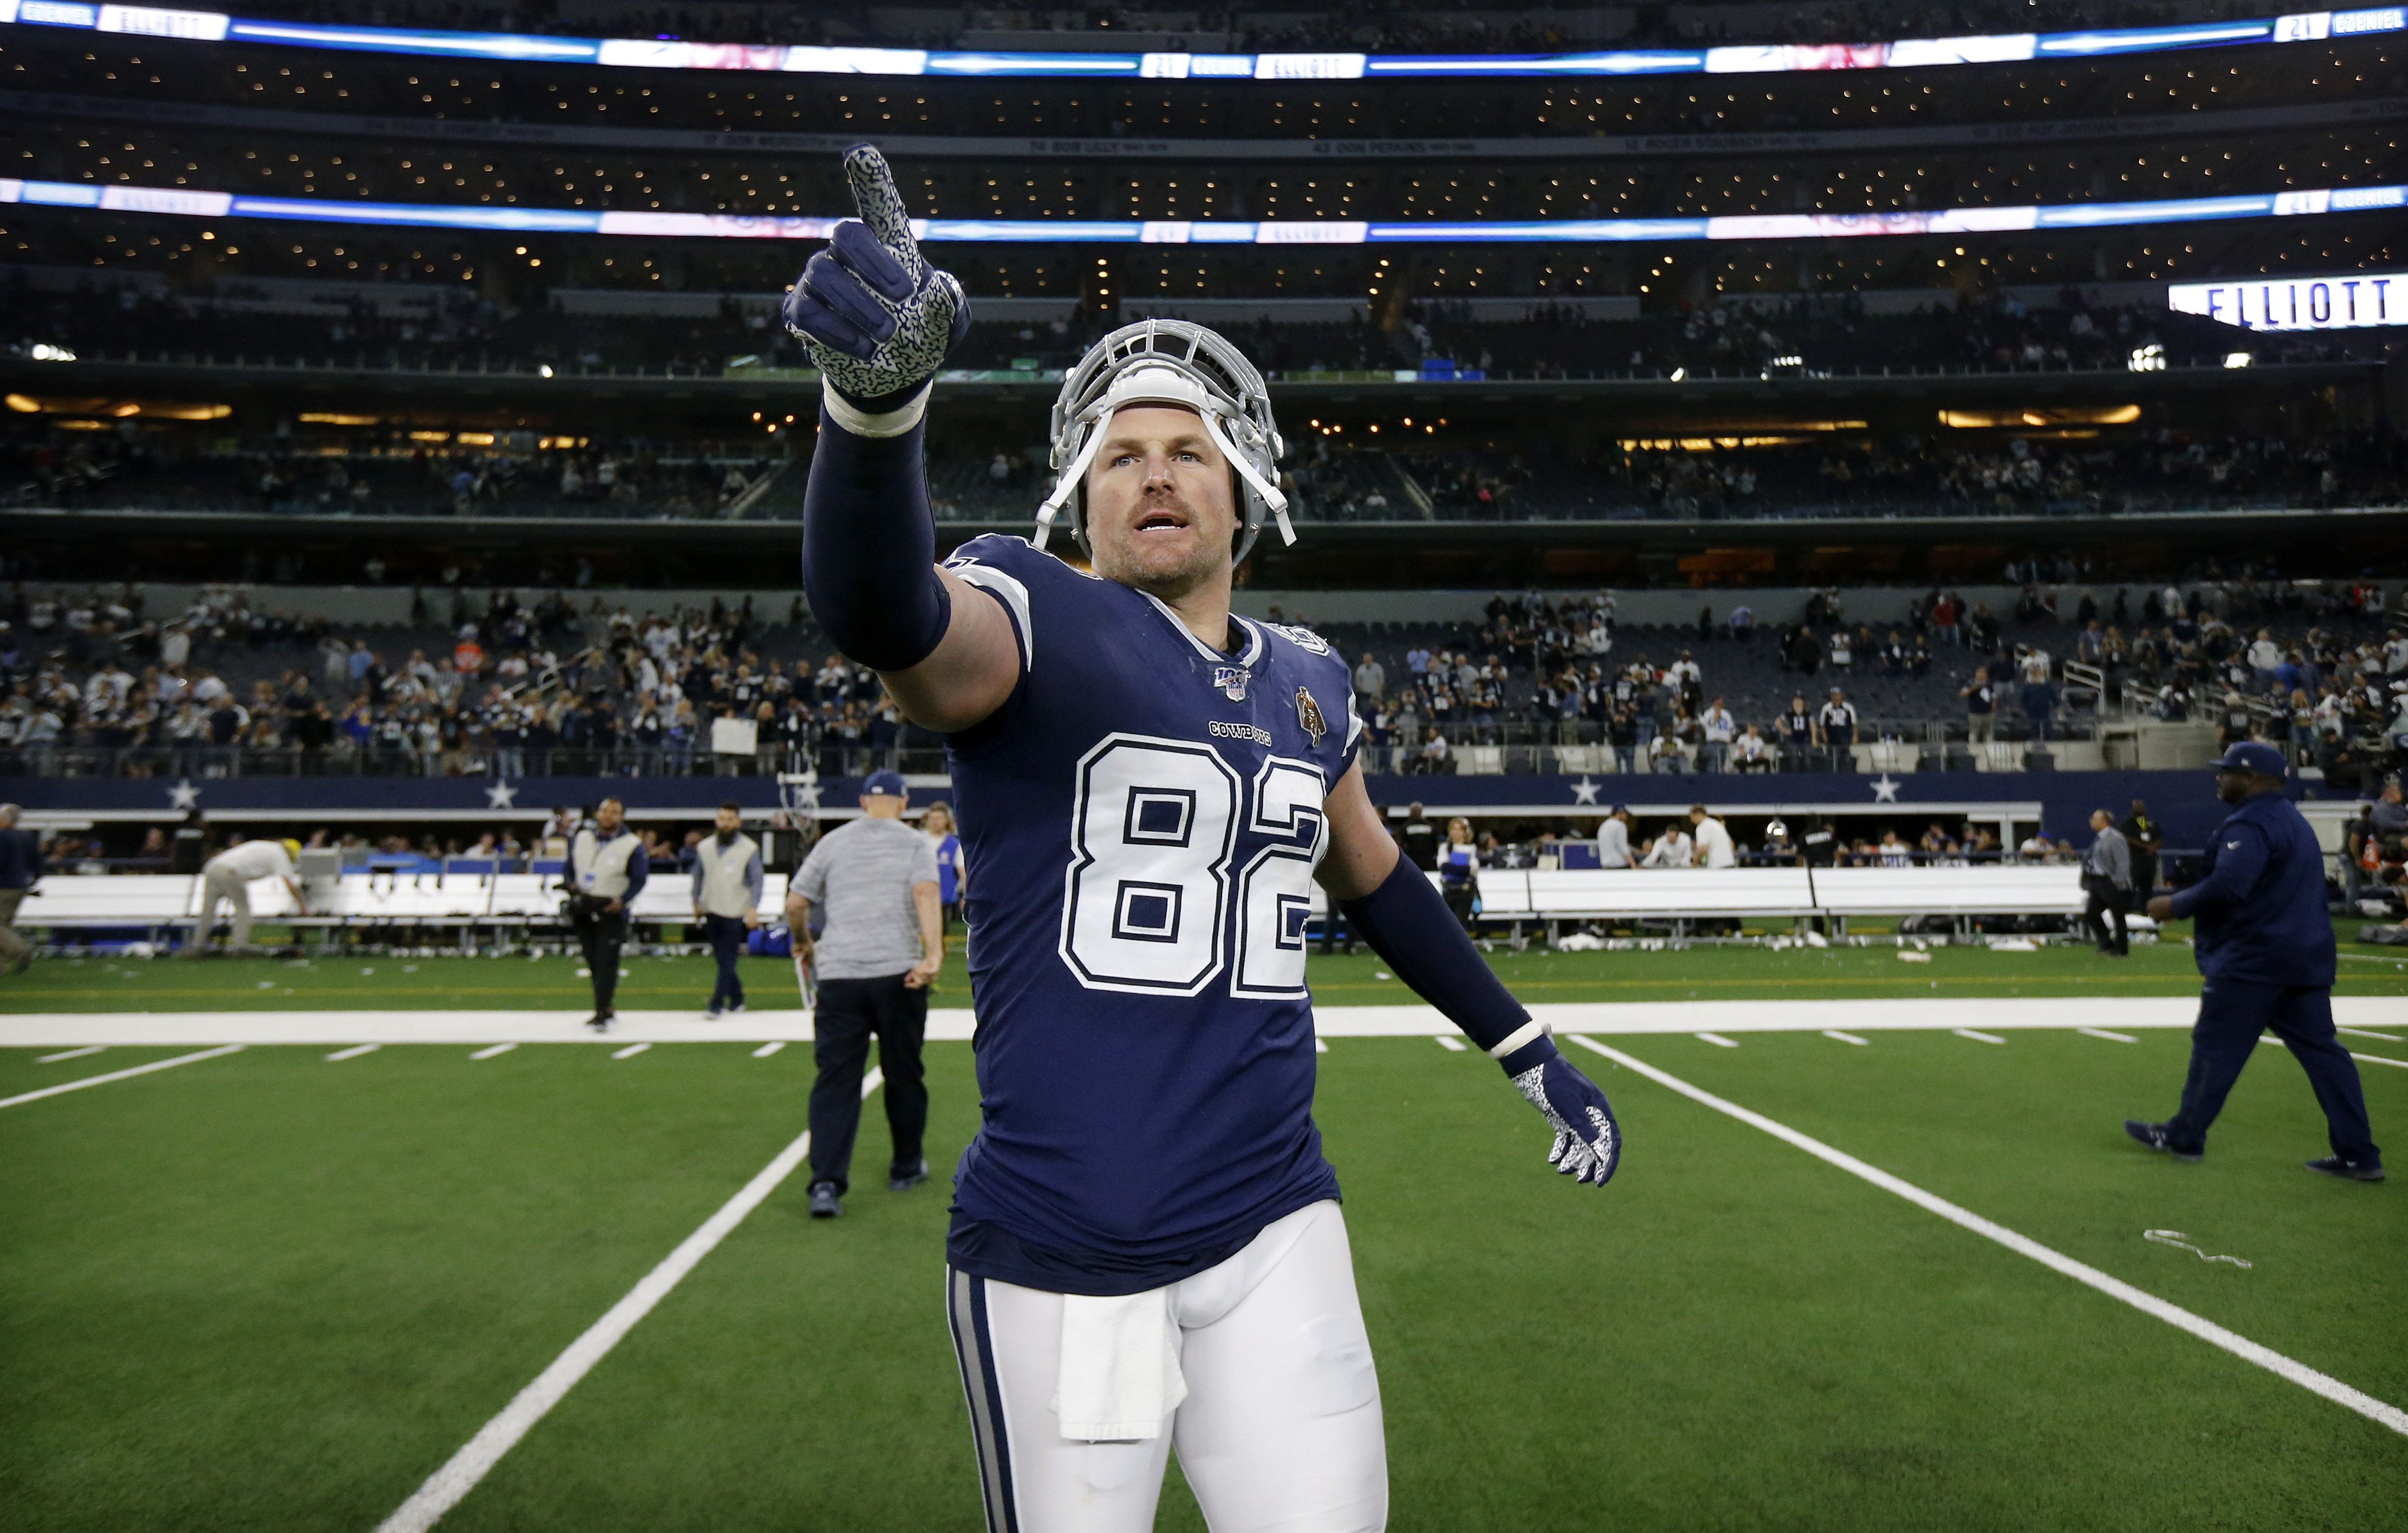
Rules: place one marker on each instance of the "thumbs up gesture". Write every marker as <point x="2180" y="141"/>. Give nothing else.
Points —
<point x="877" y="317"/>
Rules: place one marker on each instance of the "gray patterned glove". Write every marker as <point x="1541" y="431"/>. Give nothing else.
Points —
<point x="877" y="318"/>
<point x="1588" y="1142"/>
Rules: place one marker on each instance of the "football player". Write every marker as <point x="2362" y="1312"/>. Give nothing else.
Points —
<point x="1146" y="1247"/>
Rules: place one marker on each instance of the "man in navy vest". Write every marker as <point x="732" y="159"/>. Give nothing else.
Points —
<point x="2265" y="946"/>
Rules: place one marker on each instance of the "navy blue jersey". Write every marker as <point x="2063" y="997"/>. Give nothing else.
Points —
<point x="1141" y="821"/>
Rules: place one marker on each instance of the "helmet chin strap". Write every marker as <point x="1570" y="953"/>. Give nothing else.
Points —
<point x="1270" y="492"/>
<point x="1075" y="473"/>
<point x="1072" y="477"/>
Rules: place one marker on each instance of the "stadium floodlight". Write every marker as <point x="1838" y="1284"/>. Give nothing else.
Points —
<point x="2147" y="359"/>
<point x="202" y="26"/>
<point x="2238" y="359"/>
<point x="1076" y="231"/>
<point x="1679" y="373"/>
<point x="42" y="350"/>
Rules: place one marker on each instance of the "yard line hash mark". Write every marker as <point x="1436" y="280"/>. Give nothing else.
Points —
<point x="125" y="1074"/>
<point x="1977" y="1035"/>
<point x="766" y="1050"/>
<point x="1844" y="1038"/>
<point x="1452" y="1045"/>
<point x="493" y="1050"/>
<point x="2111" y="1037"/>
<point x="98" y="1048"/>
<point x="476" y="1457"/>
<point x="1717" y="1040"/>
<point x="352" y="1052"/>
<point x="630" y="1052"/>
<point x="2172" y="1314"/>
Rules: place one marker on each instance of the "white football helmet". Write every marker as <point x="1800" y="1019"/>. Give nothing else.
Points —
<point x="1168" y="361"/>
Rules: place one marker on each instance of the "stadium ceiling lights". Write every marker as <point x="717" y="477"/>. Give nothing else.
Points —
<point x="665" y="53"/>
<point x="1950" y="221"/>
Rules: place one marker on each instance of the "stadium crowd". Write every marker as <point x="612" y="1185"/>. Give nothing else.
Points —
<point x="564" y="683"/>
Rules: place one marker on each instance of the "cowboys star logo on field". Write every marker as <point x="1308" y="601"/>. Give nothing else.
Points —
<point x="1308" y="715"/>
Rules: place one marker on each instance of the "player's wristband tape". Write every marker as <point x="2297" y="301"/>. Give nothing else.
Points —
<point x="875" y="424"/>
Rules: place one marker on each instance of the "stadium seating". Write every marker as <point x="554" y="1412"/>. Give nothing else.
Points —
<point x="355" y="901"/>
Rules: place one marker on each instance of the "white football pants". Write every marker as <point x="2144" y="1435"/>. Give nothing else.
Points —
<point x="1279" y="1429"/>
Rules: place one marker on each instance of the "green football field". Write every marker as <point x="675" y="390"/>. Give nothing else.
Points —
<point x="273" y="1289"/>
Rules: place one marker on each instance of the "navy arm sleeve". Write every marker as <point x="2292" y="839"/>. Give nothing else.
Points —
<point x="1408" y="924"/>
<point x="869" y="548"/>
<point x="2236" y="871"/>
<point x="640" y="867"/>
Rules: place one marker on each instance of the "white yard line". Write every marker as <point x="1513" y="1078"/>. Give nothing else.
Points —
<point x="1451" y="1043"/>
<point x="493" y="1050"/>
<point x="103" y="1048"/>
<point x="1977" y="1037"/>
<point x="2372" y="1059"/>
<point x="352" y="1052"/>
<point x="2172" y="1314"/>
<point x="1735" y="1019"/>
<point x="1320" y="1046"/>
<point x="1716" y="1039"/>
<point x="120" y="1075"/>
<point x="630" y="1052"/>
<point x="2360" y="1032"/>
<point x="1833" y="1033"/>
<point x="444" y="1488"/>
<point x="2111" y="1037"/>
<point x="766" y="1050"/>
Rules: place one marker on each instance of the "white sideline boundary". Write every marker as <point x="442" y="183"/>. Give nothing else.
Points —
<point x="126" y="1074"/>
<point x="444" y="1488"/>
<point x="2172" y="1314"/>
<point x="954" y="1025"/>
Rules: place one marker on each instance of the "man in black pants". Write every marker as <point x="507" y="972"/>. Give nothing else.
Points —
<point x="606" y="871"/>
<point x="879" y="951"/>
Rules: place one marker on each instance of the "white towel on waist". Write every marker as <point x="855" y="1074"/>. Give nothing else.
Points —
<point x="1120" y="1377"/>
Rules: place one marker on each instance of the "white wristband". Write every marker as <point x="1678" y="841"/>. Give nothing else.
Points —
<point x="1520" y="1038"/>
<point x="862" y="422"/>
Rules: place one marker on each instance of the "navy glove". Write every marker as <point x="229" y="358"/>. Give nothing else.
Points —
<point x="877" y="317"/>
<point x="1588" y="1142"/>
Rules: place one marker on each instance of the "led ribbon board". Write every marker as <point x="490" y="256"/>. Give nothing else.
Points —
<point x="1951" y="221"/>
<point x="669" y="54"/>
<point x="2356" y="301"/>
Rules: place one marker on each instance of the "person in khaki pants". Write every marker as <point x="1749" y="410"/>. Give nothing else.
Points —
<point x="20" y="868"/>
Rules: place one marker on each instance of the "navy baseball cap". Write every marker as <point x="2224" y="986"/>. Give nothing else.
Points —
<point x="888" y="783"/>
<point x="2253" y="756"/>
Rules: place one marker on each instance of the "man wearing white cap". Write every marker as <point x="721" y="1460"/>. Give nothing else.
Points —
<point x="226" y="878"/>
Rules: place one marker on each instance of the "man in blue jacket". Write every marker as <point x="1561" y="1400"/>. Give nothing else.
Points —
<point x="2265" y="946"/>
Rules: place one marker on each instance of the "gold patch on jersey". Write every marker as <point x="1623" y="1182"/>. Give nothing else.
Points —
<point x="1308" y="715"/>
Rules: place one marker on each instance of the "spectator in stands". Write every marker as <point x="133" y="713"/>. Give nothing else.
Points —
<point x="1719" y="729"/>
<point x="1613" y="839"/>
<point x="1418" y="838"/>
<point x="2038" y="696"/>
<point x="1712" y="839"/>
<point x="1981" y="707"/>
<point x="1742" y="622"/>
<point x="727" y="872"/>
<point x="1796" y="727"/>
<point x="1752" y="752"/>
<point x="2107" y="882"/>
<point x="1437" y="757"/>
<point x="226" y="880"/>
<point x="20" y="872"/>
<point x="1370" y="682"/>
<point x="1835" y="731"/>
<point x="1622" y="733"/>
